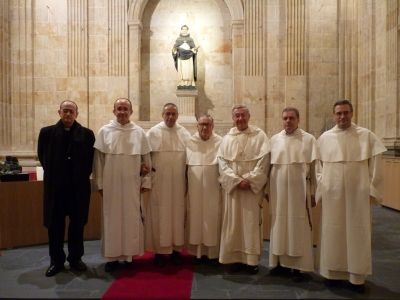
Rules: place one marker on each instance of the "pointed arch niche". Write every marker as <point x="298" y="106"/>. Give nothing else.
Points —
<point x="215" y="25"/>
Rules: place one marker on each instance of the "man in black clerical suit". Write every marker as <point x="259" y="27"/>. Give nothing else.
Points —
<point x="65" y="151"/>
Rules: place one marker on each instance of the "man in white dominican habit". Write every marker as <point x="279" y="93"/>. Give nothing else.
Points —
<point x="291" y="190"/>
<point x="350" y="179"/>
<point x="122" y="151"/>
<point x="244" y="163"/>
<point x="165" y="208"/>
<point x="204" y="193"/>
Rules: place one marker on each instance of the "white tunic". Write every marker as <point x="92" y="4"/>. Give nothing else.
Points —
<point x="292" y="182"/>
<point x="243" y="155"/>
<point x="204" y="196"/>
<point x="165" y="208"/>
<point x="351" y="174"/>
<point x="118" y="156"/>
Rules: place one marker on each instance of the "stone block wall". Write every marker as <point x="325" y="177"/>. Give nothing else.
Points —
<point x="266" y="54"/>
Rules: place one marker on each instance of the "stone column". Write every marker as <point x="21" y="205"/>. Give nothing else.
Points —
<point x="237" y="60"/>
<point x="22" y="101"/>
<point x="388" y="105"/>
<point x="134" y="50"/>
<point x="296" y="79"/>
<point x="5" y="84"/>
<point x="348" y="50"/>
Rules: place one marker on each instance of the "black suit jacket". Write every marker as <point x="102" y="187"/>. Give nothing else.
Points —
<point x="58" y="182"/>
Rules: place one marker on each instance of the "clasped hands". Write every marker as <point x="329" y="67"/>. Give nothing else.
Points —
<point x="244" y="185"/>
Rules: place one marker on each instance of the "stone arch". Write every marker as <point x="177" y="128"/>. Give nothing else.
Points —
<point x="135" y="17"/>
<point x="137" y="7"/>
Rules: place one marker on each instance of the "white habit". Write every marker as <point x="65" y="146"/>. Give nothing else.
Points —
<point x="291" y="183"/>
<point x="165" y="208"/>
<point x="120" y="150"/>
<point x="351" y="174"/>
<point x="243" y="155"/>
<point x="204" y="196"/>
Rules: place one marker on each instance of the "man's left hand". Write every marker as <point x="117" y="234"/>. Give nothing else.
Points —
<point x="143" y="190"/>
<point x="313" y="203"/>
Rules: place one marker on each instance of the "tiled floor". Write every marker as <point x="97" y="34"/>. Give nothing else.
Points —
<point x="22" y="274"/>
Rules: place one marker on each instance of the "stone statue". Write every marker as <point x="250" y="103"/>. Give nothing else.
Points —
<point x="184" y="53"/>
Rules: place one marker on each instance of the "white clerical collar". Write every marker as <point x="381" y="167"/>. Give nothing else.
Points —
<point x="295" y="132"/>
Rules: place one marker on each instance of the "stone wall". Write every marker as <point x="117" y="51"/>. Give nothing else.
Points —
<point x="266" y="54"/>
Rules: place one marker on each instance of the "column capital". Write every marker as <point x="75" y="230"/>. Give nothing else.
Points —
<point x="135" y="24"/>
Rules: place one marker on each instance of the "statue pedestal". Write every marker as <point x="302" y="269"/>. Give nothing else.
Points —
<point x="186" y="104"/>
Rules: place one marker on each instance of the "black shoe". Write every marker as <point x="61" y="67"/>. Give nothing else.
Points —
<point x="79" y="266"/>
<point x="54" y="269"/>
<point x="128" y="265"/>
<point x="297" y="276"/>
<point x="111" y="266"/>
<point x="358" y="288"/>
<point x="159" y="260"/>
<point x="197" y="261"/>
<point x="332" y="282"/>
<point x="279" y="270"/>
<point x="213" y="262"/>
<point x="236" y="267"/>
<point x="176" y="258"/>
<point x="252" y="269"/>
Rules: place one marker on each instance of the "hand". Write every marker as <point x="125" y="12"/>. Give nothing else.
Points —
<point x="267" y="197"/>
<point x="313" y="203"/>
<point x="244" y="184"/>
<point x="144" y="190"/>
<point x="144" y="169"/>
<point x="101" y="193"/>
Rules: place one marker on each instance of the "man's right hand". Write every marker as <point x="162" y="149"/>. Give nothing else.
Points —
<point x="144" y="169"/>
<point x="244" y="185"/>
<point x="267" y="197"/>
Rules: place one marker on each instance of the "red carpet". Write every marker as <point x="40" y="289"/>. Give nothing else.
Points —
<point x="146" y="281"/>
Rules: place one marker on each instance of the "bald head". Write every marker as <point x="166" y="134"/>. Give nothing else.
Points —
<point x="68" y="112"/>
<point x="170" y="114"/>
<point x="123" y="110"/>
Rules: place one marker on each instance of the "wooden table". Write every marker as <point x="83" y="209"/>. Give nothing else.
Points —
<point x="21" y="215"/>
<point x="391" y="178"/>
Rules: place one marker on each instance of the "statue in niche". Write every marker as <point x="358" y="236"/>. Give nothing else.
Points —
<point x="184" y="53"/>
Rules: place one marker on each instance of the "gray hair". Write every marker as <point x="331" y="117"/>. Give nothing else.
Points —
<point x="205" y="115"/>
<point x="238" y="106"/>
<point x="123" y="98"/>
